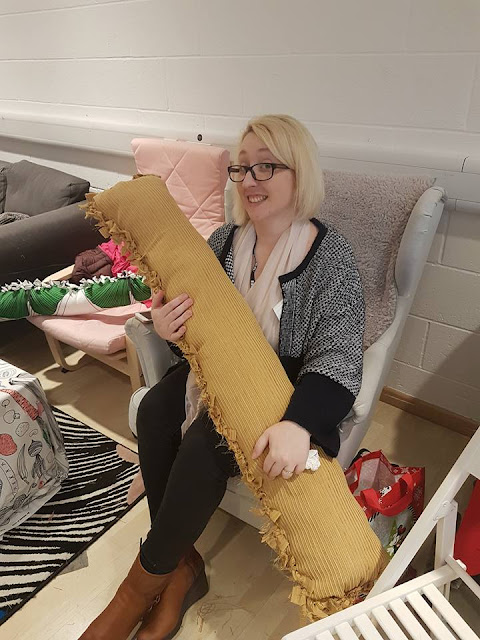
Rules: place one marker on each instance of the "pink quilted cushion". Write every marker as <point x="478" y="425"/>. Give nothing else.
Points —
<point x="195" y="174"/>
<point x="102" y="332"/>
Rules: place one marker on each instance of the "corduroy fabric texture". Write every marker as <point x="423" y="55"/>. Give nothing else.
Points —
<point x="318" y="530"/>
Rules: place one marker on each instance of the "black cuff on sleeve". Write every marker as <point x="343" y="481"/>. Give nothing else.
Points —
<point x="176" y="350"/>
<point x="319" y="404"/>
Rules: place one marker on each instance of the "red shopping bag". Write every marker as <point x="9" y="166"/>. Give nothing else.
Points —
<point x="391" y="496"/>
<point x="467" y="542"/>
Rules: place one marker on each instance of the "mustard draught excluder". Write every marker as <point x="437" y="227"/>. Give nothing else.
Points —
<point x="316" y="527"/>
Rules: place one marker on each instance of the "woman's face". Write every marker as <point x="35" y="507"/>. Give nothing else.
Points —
<point x="266" y="199"/>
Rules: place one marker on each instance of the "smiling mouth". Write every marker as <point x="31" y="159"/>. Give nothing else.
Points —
<point x="256" y="199"/>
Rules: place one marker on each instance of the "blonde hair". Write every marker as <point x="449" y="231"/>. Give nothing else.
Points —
<point x="291" y="142"/>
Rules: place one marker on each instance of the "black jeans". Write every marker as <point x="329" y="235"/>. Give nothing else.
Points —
<point x="185" y="479"/>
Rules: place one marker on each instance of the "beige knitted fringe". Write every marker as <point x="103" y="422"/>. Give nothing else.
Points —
<point x="303" y="593"/>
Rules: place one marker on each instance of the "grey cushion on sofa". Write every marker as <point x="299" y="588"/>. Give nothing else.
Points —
<point x="8" y="217"/>
<point x="3" y="184"/>
<point x="40" y="245"/>
<point x="3" y="191"/>
<point x="34" y="189"/>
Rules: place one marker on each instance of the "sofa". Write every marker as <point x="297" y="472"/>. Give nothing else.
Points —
<point x="54" y="229"/>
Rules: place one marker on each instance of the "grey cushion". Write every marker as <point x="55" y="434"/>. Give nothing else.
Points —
<point x="33" y="189"/>
<point x="372" y="211"/>
<point x="3" y="190"/>
<point x="40" y="245"/>
<point x="9" y="216"/>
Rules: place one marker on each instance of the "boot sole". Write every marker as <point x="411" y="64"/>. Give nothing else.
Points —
<point x="197" y="591"/>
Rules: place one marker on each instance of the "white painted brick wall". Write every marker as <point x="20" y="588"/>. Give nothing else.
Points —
<point x="340" y="88"/>
<point x="412" y="346"/>
<point x="450" y="296"/>
<point x="438" y="244"/>
<point x="453" y="353"/>
<point x="438" y="358"/>
<point x="435" y="389"/>
<point x="82" y="82"/>
<point x="473" y="119"/>
<point x="462" y="245"/>
<point x="394" y="84"/>
<point x="444" y="25"/>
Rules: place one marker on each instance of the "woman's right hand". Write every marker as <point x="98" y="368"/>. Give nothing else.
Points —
<point x="168" y="319"/>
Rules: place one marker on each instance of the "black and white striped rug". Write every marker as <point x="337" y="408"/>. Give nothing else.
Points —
<point x="90" y="501"/>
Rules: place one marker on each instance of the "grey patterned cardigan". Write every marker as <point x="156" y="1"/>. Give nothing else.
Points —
<point x="321" y="331"/>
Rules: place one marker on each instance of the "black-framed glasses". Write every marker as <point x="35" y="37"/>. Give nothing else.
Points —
<point x="260" y="171"/>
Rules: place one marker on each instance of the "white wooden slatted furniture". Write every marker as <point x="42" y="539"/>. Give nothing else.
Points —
<point x="418" y="609"/>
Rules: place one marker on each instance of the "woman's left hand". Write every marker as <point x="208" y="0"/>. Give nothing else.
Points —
<point x="288" y="444"/>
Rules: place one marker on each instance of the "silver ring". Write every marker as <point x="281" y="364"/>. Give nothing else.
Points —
<point x="287" y="471"/>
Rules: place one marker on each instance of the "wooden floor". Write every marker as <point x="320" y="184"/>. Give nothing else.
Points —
<point x="248" y="599"/>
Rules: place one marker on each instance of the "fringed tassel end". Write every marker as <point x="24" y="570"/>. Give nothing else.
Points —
<point x="109" y="229"/>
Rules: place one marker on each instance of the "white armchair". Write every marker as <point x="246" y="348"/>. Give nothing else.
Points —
<point x="156" y="357"/>
<point x="411" y="258"/>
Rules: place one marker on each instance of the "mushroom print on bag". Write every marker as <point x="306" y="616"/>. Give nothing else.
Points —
<point x="33" y="462"/>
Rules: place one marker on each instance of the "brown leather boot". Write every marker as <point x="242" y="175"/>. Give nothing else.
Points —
<point x="188" y="583"/>
<point x="135" y="596"/>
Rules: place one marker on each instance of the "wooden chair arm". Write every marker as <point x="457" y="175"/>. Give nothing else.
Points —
<point x="63" y="274"/>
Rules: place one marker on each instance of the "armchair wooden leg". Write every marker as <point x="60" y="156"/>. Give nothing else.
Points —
<point x="58" y="355"/>
<point x="133" y="364"/>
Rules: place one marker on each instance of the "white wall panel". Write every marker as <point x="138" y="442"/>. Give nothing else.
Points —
<point x="438" y="243"/>
<point x="385" y="86"/>
<point x="454" y="354"/>
<point x="439" y="391"/>
<point x="143" y="28"/>
<point x="473" y="118"/>
<point x="462" y="245"/>
<point x="443" y="142"/>
<point x="449" y="296"/>
<point x="455" y="182"/>
<point x="213" y="85"/>
<point x="444" y="25"/>
<point x="305" y="26"/>
<point x="122" y="83"/>
<point x="26" y="6"/>
<point x="388" y="90"/>
<point x="472" y="162"/>
<point x="46" y="120"/>
<point x="412" y="344"/>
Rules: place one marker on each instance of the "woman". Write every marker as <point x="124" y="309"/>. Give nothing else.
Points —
<point x="299" y="278"/>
